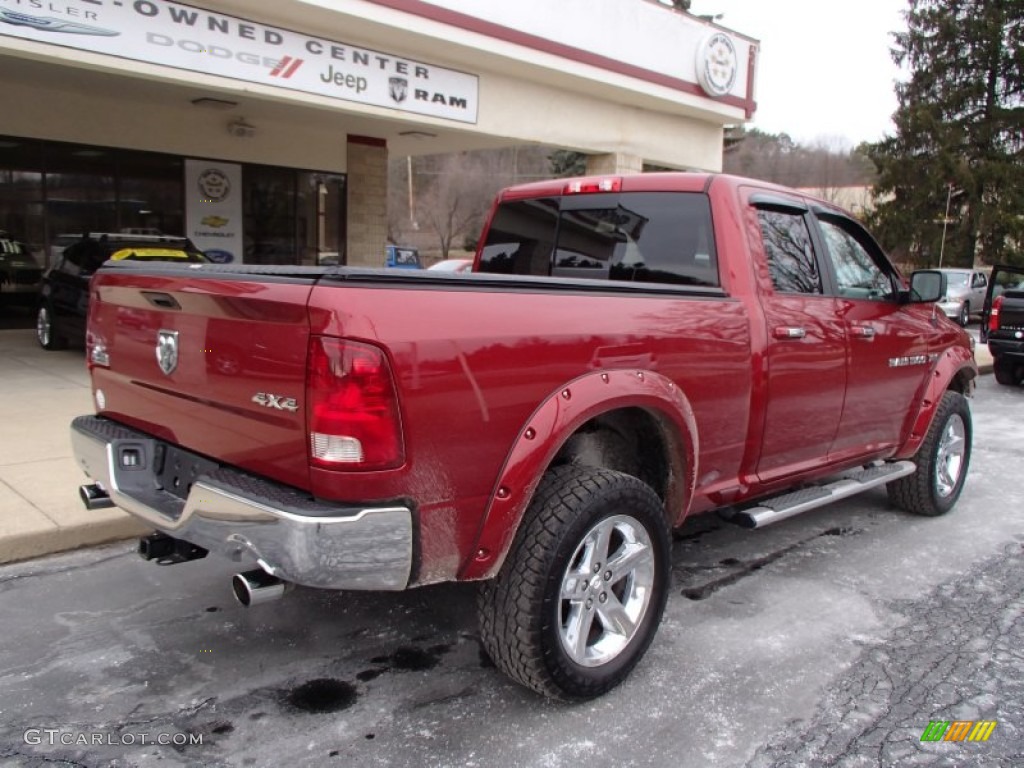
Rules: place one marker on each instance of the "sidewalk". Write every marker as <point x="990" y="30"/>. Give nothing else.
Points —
<point x="40" y="512"/>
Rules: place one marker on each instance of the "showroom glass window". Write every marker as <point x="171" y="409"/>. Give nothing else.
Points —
<point x="53" y="192"/>
<point x="21" y="194"/>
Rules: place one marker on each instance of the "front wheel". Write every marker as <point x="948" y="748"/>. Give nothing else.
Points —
<point x="965" y="314"/>
<point x="583" y="588"/>
<point x="942" y="461"/>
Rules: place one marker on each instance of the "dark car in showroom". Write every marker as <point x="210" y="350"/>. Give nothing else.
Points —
<point x="64" y="293"/>
<point x="20" y="273"/>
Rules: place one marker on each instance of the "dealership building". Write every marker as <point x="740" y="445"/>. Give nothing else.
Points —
<point x="262" y="128"/>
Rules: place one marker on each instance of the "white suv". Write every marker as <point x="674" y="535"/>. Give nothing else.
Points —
<point x="965" y="293"/>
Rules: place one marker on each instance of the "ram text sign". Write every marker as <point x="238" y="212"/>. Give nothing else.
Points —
<point x="199" y="40"/>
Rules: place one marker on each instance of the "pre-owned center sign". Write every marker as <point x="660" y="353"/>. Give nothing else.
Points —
<point x="199" y="40"/>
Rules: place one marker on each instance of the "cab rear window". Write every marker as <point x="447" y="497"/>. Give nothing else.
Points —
<point x="649" y="237"/>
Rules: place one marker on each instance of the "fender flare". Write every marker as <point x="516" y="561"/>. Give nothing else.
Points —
<point x="952" y="363"/>
<point x="553" y="423"/>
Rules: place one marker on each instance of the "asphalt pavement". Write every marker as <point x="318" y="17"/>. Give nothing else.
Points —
<point x="834" y="638"/>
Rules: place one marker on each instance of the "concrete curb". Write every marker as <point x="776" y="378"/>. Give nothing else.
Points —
<point x="31" y="544"/>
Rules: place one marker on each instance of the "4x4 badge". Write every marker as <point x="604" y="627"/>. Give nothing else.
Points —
<point x="167" y="351"/>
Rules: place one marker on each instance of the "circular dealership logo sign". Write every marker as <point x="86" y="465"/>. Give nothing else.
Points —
<point x="717" y="64"/>
<point x="214" y="185"/>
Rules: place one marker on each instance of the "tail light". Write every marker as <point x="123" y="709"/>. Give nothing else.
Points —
<point x="353" y="408"/>
<point x="993" y="317"/>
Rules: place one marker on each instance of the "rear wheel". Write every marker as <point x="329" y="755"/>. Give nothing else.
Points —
<point x="581" y="593"/>
<point x="965" y="314"/>
<point x="46" y="331"/>
<point x="1006" y="372"/>
<point x="942" y="462"/>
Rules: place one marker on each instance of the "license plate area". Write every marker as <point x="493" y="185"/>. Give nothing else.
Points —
<point x="176" y="469"/>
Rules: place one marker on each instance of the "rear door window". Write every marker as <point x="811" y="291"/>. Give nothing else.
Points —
<point x="648" y="237"/>
<point x="787" y="248"/>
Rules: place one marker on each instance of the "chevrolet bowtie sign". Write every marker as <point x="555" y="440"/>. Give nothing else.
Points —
<point x="198" y="40"/>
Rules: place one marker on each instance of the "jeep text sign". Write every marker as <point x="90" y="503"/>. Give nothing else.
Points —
<point x="198" y="40"/>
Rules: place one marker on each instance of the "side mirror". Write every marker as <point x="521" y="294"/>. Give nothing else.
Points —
<point x="926" y="286"/>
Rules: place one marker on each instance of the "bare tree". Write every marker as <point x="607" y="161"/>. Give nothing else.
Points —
<point x="449" y="195"/>
<point x="455" y="197"/>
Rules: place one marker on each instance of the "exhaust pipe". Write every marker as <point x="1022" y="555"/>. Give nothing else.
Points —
<point x="257" y="586"/>
<point x="167" y="550"/>
<point x="95" y="497"/>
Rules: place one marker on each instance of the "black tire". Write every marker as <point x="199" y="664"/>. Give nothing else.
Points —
<point x="1006" y="373"/>
<point x="964" y="318"/>
<point x="526" y="623"/>
<point x="46" y="329"/>
<point x="942" y="462"/>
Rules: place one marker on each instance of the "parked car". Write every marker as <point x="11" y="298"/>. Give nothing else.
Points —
<point x="401" y="257"/>
<point x="64" y="290"/>
<point x="453" y="265"/>
<point x="731" y="346"/>
<point x="1002" y="324"/>
<point x="20" y="273"/>
<point x="965" y="294"/>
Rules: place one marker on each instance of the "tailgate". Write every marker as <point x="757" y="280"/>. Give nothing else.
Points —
<point x="211" y="362"/>
<point x="1003" y="313"/>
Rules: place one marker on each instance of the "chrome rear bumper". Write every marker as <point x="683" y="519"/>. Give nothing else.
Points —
<point x="290" y="535"/>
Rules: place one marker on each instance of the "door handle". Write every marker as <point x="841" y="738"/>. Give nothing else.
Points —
<point x="862" y="332"/>
<point x="789" y="333"/>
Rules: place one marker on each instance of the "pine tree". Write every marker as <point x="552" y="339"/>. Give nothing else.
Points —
<point x="959" y="136"/>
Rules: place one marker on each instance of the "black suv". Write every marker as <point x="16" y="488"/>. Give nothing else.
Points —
<point x="64" y="294"/>
<point x="19" y="272"/>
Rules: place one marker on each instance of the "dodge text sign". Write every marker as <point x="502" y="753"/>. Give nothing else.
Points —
<point x="191" y="38"/>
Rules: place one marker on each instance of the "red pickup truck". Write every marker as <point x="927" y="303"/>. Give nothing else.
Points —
<point x="628" y="352"/>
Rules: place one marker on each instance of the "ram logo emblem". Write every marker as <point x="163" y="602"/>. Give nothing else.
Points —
<point x="167" y="351"/>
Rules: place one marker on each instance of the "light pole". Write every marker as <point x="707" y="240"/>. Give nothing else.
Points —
<point x="945" y="222"/>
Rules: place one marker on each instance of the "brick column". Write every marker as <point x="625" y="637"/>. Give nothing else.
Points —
<point x="614" y="162"/>
<point x="367" y="196"/>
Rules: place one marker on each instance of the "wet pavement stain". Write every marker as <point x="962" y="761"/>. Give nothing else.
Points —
<point x="414" y="659"/>
<point x="410" y="658"/>
<point x="322" y="695"/>
<point x="746" y="568"/>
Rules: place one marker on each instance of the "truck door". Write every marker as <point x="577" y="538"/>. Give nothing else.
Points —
<point x="806" y="344"/>
<point x="888" y="342"/>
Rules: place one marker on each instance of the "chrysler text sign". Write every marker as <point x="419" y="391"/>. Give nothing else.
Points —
<point x="185" y="37"/>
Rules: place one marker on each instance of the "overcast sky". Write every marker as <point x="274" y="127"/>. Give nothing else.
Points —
<point x="825" y="70"/>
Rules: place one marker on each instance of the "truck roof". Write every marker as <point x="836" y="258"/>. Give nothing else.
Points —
<point x="670" y="181"/>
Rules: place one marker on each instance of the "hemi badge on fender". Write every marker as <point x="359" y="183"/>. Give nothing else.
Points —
<point x="902" y="362"/>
